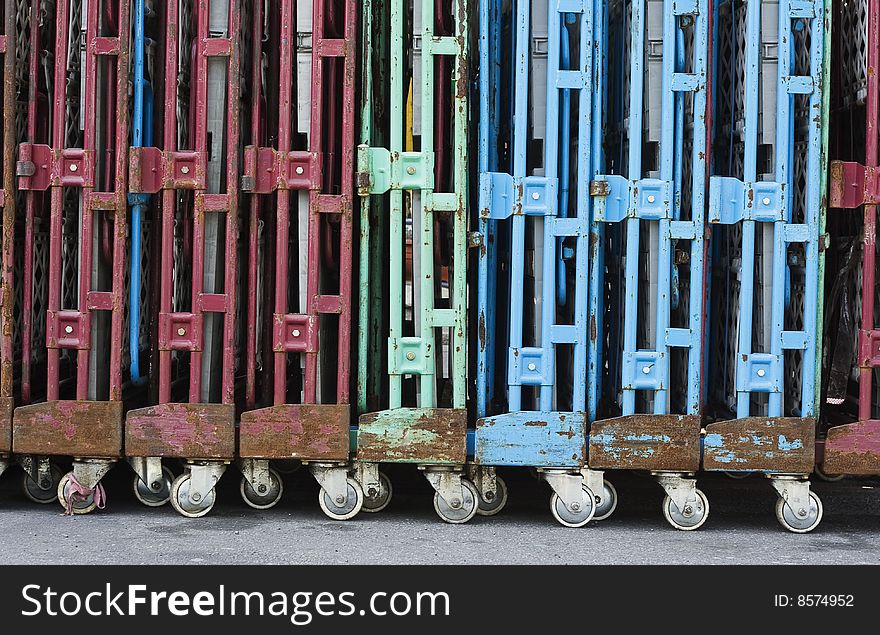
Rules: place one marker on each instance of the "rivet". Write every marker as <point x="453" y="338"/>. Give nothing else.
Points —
<point x="766" y="200"/>
<point x="532" y="367"/>
<point x="185" y="170"/>
<point x="299" y="170"/>
<point x="296" y="332"/>
<point x="73" y="167"/>
<point x="535" y="196"/>
<point x="181" y="331"/>
<point x="761" y="372"/>
<point x="651" y="198"/>
<point x="410" y="170"/>
<point x="68" y="329"/>
<point x="410" y="356"/>
<point x="646" y="370"/>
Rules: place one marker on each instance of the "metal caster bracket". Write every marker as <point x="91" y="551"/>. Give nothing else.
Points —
<point x="256" y="472"/>
<point x="568" y="486"/>
<point x="203" y="478"/>
<point x="89" y="472"/>
<point x="681" y="488"/>
<point x="794" y="490"/>
<point x="367" y="474"/>
<point x="485" y="480"/>
<point x="4" y="464"/>
<point x="38" y="468"/>
<point x="594" y="480"/>
<point x="447" y="483"/>
<point x="149" y="470"/>
<point x="333" y="479"/>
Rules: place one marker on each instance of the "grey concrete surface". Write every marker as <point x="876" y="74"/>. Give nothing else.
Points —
<point x="741" y="528"/>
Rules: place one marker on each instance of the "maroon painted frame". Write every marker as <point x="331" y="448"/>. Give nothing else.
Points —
<point x="191" y="429"/>
<point x="77" y="427"/>
<point x="7" y="203"/>
<point x="307" y="430"/>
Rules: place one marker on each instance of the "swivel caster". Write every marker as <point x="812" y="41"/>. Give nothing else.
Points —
<point x="154" y="494"/>
<point x="381" y="496"/>
<point x="46" y="490"/>
<point x="577" y="513"/>
<point x="458" y="511"/>
<point x="691" y="516"/>
<point x="494" y="506"/>
<point x="802" y="520"/>
<point x="72" y="499"/>
<point x="607" y="502"/>
<point x="184" y="504"/>
<point x="343" y="509"/>
<point x="263" y="499"/>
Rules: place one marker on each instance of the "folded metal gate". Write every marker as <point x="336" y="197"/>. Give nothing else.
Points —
<point x="852" y="443"/>
<point x="83" y="168"/>
<point x="647" y="278"/>
<point x="196" y="169"/>
<point x="544" y="422"/>
<point x="766" y="203"/>
<point x="316" y="430"/>
<point x="425" y="337"/>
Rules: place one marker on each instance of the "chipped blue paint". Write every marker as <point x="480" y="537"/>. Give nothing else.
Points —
<point x="787" y="446"/>
<point x="655" y="438"/>
<point x="539" y="439"/>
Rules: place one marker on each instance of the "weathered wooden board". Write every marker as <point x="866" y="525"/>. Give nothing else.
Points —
<point x="91" y="429"/>
<point x="853" y="449"/>
<point x="182" y="430"/>
<point x="784" y="445"/>
<point x="536" y="439"/>
<point x="646" y="442"/>
<point x="294" y="431"/>
<point x="6" y="408"/>
<point x="435" y="436"/>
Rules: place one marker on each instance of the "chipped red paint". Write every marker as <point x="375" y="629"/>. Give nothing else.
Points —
<point x="193" y="431"/>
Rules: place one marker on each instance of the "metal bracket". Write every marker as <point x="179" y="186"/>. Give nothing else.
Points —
<point x="732" y="200"/>
<point x="89" y="472"/>
<point x="529" y="366"/>
<point x="149" y="470"/>
<point x="256" y="472"/>
<point x="367" y="474"/>
<point x="203" y="478"/>
<point x="679" y="487"/>
<point x="568" y="486"/>
<point x="409" y="356"/>
<point x="447" y="484"/>
<point x="795" y="491"/>
<point x="618" y="198"/>
<point x="152" y="170"/>
<point x="38" y="468"/>
<point x="333" y="478"/>
<point x="485" y="480"/>
<point x="40" y="167"/>
<point x="295" y="333"/>
<point x="759" y="372"/>
<point x="380" y="170"/>
<point x="869" y="348"/>
<point x="595" y="481"/>
<point x="267" y="170"/>
<point x="68" y="329"/>
<point x="180" y="332"/>
<point x="503" y="196"/>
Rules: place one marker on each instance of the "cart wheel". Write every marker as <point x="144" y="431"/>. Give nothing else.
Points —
<point x="490" y="508"/>
<point x="36" y="493"/>
<point x="789" y="519"/>
<point x="607" y="503"/>
<point x="183" y="505"/>
<point x="574" y="517"/>
<point x="150" y="497"/>
<point x="353" y="504"/>
<point x="78" y="506"/>
<point x="467" y="508"/>
<point x="828" y="478"/>
<point x="263" y="500"/>
<point x="691" y="517"/>
<point x="377" y="503"/>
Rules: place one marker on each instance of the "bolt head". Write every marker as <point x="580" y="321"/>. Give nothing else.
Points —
<point x="410" y="356"/>
<point x="646" y="370"/>
<point x="295" y="332"/>
<point x="455" y="503"/>
<point x="762" y="372"/>
<point x="372" y="492"/>
<point x="688" y="510"/>
<point x="155" y="486"/>
<point x="262" y="489"/>
<point x="184" y="169"/>
<point x="489" y="496"/>
<point x="535" y="196"/>
<point x="196" y="497"/>
<point x="651" y="198"/>
<point x="766" y="200"/>
<point x="410" y="170"/>
<point x="74" y="167"/>
<point x="299" y="170"/>
<point x="340" y="500"/>
<point x="532" y="367"/>
<point x="575" y="507"/>
<point x="802" y="512"/>
<point x="181" y="331"/>
<point x="45" y="483"/>
<point x="68" y="329"/>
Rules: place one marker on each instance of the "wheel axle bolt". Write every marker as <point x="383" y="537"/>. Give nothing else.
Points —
<point x="372" y="492"/>
<point x="196" y="497"/>
<point x="340" y="500"/>
<point x="490" y="496"/>
<point x="155" y="486"/>
<point x="262" y="489"/>
<point x="44" y="484"/>
<point x="575" y="507"/>
<point x="455" y="503"/>
<point x="802" y="512"/>
<point x="688" y="510"/>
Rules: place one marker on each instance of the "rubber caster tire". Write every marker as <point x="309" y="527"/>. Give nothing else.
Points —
<point x="788" y="519"/>
<point x="568" y="518"/>
<point x="80" y="507"/>
<point x="737" y="476"/>
<point x="380" y="501"/>
<point x="263" y="501"/>
<point x="490" y="508"/>
<point x="690" y="519"/>
<point x="39" y="495"/>
<point x="183" y="505"/>
<point x="607" y="503"/>
<point x="465" y="512"/>
<point x="354" y="502"/>
<point x="150" y="498"/>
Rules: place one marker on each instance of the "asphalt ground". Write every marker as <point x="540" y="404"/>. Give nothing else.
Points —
<point x="741" y="529"/>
